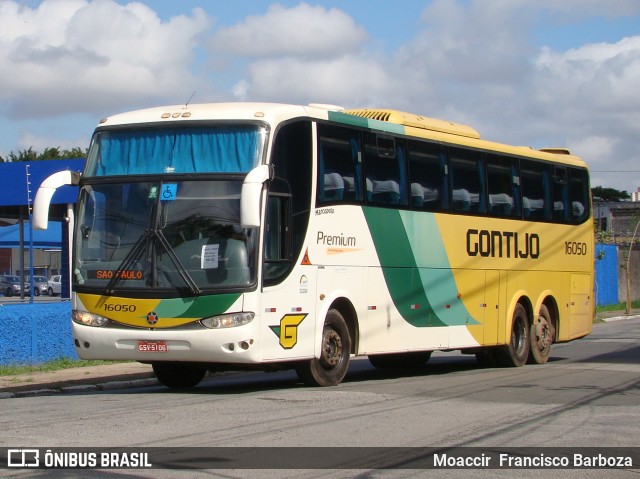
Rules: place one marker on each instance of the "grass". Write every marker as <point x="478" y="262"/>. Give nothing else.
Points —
<point x="617" y="307"/>
<point x="55" y="365"/>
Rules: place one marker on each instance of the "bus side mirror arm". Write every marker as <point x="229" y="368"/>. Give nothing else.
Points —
<point x="251" y="195"/>
<point x="44" y="194"/>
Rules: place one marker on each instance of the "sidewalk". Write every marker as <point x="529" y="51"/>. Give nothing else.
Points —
<point x="123" y="375"/>
<point x="89" y="378"/>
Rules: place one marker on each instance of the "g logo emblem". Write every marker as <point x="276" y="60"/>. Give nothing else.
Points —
<point x="287" y="331"/>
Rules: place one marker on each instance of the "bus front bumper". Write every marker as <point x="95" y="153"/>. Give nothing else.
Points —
<point x="236" y="345"/>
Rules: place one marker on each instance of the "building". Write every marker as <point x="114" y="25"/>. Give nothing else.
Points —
<point x="47" y="252"/>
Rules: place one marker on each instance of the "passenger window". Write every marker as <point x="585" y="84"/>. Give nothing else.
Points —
<point x="578" y="195"/>
<point x="535" y="180"/>
<point x="339" y="166"/>
<point x="467" y="182"/>
<point x="560" y="192"/>
<point x="503" y="186"/>
<point x="385" y="168"/>
<point x="427" y="173"/>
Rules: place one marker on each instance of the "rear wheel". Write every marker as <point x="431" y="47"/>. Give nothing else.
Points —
<point x="400" y="360"/>
<point x="331" y="368"/>
<point x="9" y="292"/>
<point x="542" y="335"/>
<point x="516" y="352"/>
<point x="178" y="375"/>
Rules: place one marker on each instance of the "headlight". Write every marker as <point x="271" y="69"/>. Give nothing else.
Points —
<point x="227" y="320"/>
<point x="88" y="319"/>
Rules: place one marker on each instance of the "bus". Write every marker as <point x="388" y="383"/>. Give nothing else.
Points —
<point x="268" y="236"/>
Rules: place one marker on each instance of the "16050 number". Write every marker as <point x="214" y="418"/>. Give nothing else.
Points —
<point x="120" y="308"/>
<point x="575" y="248"/>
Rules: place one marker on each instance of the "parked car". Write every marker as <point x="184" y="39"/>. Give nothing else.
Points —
<point x="40" y="285"/>
<point x="10" y="285"/>
<point x="53" y="285"/>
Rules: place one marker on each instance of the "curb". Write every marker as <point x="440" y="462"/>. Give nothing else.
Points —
<point x="620" y="318"/>
<point x="108" y="386"/>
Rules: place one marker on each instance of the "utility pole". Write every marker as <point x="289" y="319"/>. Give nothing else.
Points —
<point x="633" y="240"/>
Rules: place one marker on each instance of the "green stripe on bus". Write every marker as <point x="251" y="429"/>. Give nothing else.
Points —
<point x="426" y="295"/>
<point x="362" y="122"/>
<point x="399" y="267"/>
<point x="200" y="307"/>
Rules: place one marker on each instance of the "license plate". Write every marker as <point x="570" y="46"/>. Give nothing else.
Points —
<point x="153" y="346"/>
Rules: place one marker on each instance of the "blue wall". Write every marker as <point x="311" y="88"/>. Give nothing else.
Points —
<point x="606" y="274"/>
<point x="35" y="333"/>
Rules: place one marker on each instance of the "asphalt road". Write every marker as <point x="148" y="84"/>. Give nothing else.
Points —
<point x="586" y="395"/>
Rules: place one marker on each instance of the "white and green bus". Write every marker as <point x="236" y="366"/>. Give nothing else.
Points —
<point x="267" y="236"/>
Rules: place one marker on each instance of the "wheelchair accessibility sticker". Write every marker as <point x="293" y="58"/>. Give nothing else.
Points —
<point x="169" y="192"/>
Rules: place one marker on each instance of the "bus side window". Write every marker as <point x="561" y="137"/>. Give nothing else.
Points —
<point x="386" y="171"/>
<point x="427" y="173"/>
<point x="277" y="241"/>
<point x="560" y="193"/>
<point x="339" y="166"/>
<point x="467" y="177"/>
<point x="503" y="186"/>
<point x="578" y="195"/>
<point x="535" y="185"/>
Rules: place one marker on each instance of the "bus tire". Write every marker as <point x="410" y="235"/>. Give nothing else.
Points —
<point x="542" y="335"/>
<point x="331" y="368"/>
<point x="400" y="360"/>
<point x="178" y="375"/>
<point x="516" y="353"/>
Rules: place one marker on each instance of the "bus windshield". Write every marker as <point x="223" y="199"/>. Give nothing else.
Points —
<point x="179" y="150"/>
<point x="181" y="236"/>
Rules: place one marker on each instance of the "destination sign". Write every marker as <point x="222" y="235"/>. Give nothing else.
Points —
<point x="125" y="274"/>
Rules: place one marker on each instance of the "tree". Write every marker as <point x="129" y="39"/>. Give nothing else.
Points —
<point x="609" y="194"/>
<point x="50" y="153"/>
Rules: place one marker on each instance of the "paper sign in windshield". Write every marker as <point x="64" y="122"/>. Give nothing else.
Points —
<point x="209" y="257"/>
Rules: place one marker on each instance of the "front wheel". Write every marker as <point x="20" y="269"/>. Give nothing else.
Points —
<point x="516" y="352"/>
<point x="331" y="368"/>
<point x="178" y="375"/>
<point x="542" y="335"/>
<point x="8" y="293"/>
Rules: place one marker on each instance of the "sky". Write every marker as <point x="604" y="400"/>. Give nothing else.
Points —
<point x="538" y="73"/>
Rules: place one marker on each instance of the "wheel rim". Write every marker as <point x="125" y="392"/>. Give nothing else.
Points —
<point x="519" y="335"/>
<point x="331" y="349"/>
<point x="543" y="333"/>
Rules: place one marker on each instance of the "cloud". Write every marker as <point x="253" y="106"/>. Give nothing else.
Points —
<point x="345" y="79"/>
<point x="304" y="30"/>
<point x="69" y="56"/>
<point x="471" y="61"/>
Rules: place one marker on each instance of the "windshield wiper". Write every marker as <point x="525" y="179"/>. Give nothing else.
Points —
<point x="152" y="235"/>
<point x="184" y="274"/>
<point x="130" y="259"/>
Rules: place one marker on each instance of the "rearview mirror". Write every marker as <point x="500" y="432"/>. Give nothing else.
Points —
<point x="251" y="195"/>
